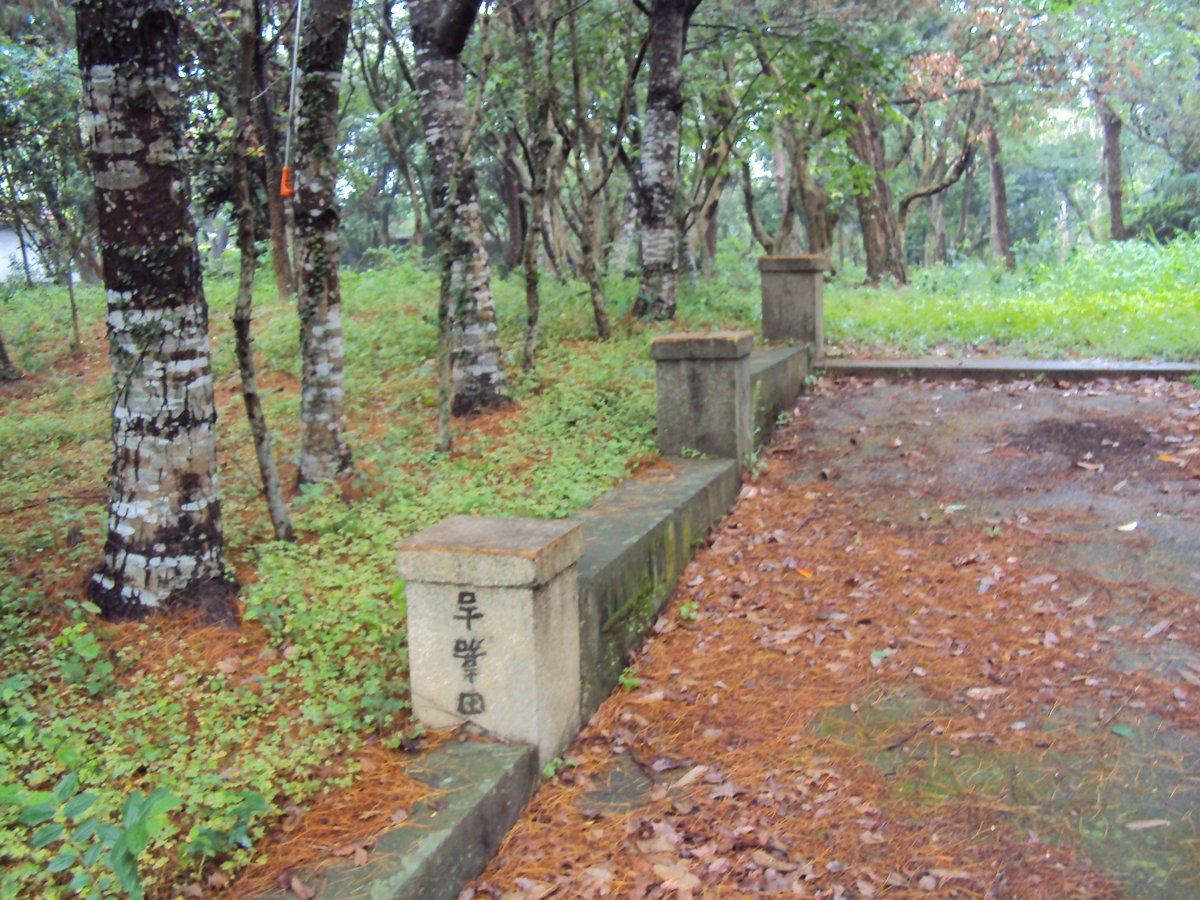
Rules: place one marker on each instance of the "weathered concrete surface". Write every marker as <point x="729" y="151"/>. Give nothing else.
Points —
<point x="704" y="393"/>
<point x="637" y="539"/>
<point x="493" y="627"/>
<point x="793" y="299"/>
<point x="776" y="377"/>
<point x="489" y="551"/>
<point x="1005" y="369"/>
<point x="482" y="790"/>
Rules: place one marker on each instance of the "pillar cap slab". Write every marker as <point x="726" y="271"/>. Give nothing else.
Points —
<point x="793" y="263"/>
<point x="490" y="551"/>
<point x="709" y="345"/>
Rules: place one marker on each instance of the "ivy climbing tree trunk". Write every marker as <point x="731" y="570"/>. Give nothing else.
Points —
<point x="164" y="544"/>
<point x="324" y="453"/>
<point x="660" y="159"/>
<point x="440" y="29"/>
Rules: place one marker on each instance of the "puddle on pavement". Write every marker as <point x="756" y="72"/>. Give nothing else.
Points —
<point x="1135" y="773"/>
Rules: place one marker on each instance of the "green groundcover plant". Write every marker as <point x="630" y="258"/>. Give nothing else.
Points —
<point x="130" y="760"/>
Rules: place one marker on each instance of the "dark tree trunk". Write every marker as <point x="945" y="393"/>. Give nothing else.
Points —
<point x="243" y="145"/>
<point x="440" y="29"/>
<point x="324" y="453"/>
<point x="8" y="372"/>
<point x="880" y="233"/>
<point x="964" y="210"/>
<point x="516" y="209"/>
<point x="660" y="158"/>
<point x="164" y="544"/>
<point x="1111" y="124"/>
<point x="1001" y="237"/>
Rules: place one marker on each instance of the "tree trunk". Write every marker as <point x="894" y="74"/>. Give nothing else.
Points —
<point x="324" y="453"/>
<point x="1001" y="237"/>
<point x="439" y="32"/>
<point x="964" y="210"/>
<point x="660" y="159"/>
<point x="164" y="544"/>
<point x="880" y="233"/>
<point x="819" y="219"/>
<point x="935" y="241"/>
<point x="8" y="372"/>
<point x="1111" y="124"/>
<point x="517" y="213"/>
<point x="248" y="36"/>
<point x="264" y="108"/>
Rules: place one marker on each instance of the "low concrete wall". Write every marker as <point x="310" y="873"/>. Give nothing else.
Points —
<point x="777" y="377"/>
<point x="636" y="540"/>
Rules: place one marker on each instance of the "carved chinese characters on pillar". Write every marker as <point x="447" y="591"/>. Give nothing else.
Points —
<point x="468" y="651"/>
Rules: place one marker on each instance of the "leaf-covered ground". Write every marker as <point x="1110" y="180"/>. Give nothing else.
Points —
<point x="945" y="642"/>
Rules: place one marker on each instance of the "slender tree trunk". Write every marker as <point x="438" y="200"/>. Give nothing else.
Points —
<point x="164" y="544"/>
<point x="517" y="212"/>
<point x="877" y="218"/>
<point x="935" y="242"/>
<point x="248" y="36"/>
<point x="1001" y="237"/>
<point x="324" y="453"/>
<point x="76" y="342"/>
<point x="439" y="31"/>
<point x="264" y="108"/>
<point x="19" y="229"/>
<point x="1111" y="124"/>
<point x="8" y="372"/>
<point x="660" y="159"/>
<point x="964" y="210"/>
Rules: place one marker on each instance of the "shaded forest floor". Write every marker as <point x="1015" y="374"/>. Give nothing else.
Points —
<point x="946" y="642"/>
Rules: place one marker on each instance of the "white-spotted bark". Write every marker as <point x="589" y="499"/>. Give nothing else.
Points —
<point x="440" y="29"/>
<point x="324" y="453"/>
<point x="164" y="544"/>
<point x="659" y="172"/>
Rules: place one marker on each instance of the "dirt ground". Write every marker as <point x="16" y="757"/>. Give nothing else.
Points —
<point x="945" y="644"/>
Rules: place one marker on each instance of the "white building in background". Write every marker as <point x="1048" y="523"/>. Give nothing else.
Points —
<point x="10" y="256"/>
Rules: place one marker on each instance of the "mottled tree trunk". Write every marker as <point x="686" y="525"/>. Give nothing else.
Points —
<point x="243" y="145"/>
<point x="1110" y="122"/>
<point x="324" y="453"/>
<point x="660" y="158"/>
<point x="164" y="544"/>
<point x="439" y="32"/>
<point x="880" y="233"/>
<point x="1001" y="237"/>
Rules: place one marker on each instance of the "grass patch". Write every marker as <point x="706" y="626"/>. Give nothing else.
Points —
<point x="1129" y="300"/>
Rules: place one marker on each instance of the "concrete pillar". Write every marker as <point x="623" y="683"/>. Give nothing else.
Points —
<point x="493" y="627"/>
<point x="704" y="401"/>
<point x="793" y="300"/>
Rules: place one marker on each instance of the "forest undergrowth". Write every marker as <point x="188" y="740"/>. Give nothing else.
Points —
<point x="173" y="753"/>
